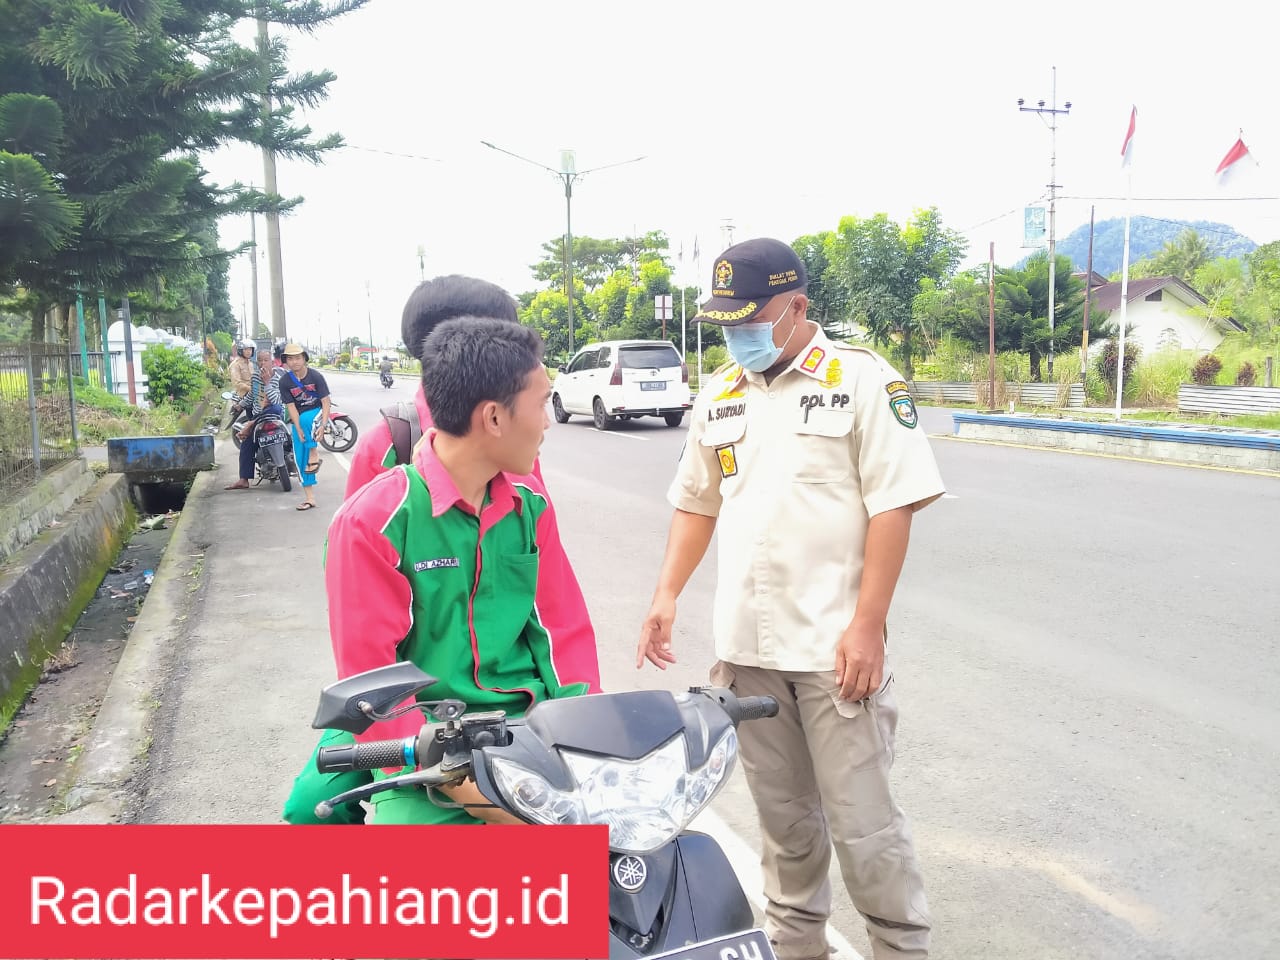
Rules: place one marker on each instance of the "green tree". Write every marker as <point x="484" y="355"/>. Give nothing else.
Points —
<point x="1222" y="282"/>
<point x="172" y="376"/>
<point x="826" y="301"/>
<point x="879" y="267"/>
<point x="1260" y="304"/>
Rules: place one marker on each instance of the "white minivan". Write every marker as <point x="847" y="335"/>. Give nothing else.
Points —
<point x="623" y="379"/>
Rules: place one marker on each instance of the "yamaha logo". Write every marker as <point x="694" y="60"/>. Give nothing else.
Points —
<point x="630" y="873"/>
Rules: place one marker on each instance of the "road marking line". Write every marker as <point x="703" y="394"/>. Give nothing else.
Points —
<point x="1110" y="456"/>
<point x="343" y="461"/>
<point x="746" y="864"/>
<point x="625" y="436"/>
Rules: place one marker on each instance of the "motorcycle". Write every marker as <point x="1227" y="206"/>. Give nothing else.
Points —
<point x="643" y="762"/>
<point x="274" y="459"/>
<point x="340" y="432"/>
<point x="386" y="379"/>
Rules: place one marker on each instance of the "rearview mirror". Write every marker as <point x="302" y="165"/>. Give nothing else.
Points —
<point x="380" y="689"/>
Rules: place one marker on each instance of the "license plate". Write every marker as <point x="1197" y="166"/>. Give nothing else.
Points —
<point x="271" y="439"/>
<point x="747" y="945"/>
<point x="653" y="384"/>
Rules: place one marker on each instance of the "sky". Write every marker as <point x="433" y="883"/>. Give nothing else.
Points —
<point x="777" y="119"/>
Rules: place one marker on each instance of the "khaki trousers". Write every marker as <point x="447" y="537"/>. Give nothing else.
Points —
<point x="819" y="775"/>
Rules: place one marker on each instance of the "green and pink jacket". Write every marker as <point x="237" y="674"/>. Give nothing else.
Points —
<point x="486" y="603"/>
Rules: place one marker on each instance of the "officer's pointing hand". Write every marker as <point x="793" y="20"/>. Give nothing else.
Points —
<point x="655" y="634"/>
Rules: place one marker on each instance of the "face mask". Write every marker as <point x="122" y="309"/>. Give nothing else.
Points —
<point x="751" y="344"/>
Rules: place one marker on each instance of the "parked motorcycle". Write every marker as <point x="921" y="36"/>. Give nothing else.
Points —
<point x="643" y="762"/>
<point x="386" y="380"/>
<point x="340" y="432"/>
<point x="274" y="459"/>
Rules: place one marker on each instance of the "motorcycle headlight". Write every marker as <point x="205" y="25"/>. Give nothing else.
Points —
<point x="644" y="802"/>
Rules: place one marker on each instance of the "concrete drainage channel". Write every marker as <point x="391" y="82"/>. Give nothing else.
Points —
<point x="66" y="752"/>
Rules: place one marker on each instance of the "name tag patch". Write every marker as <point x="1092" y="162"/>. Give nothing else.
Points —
<point x="435" y="564"/>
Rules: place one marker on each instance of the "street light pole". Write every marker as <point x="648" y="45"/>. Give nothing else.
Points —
<point x="369" y="307"/>
<point x="567" y="174"/>
<point x="1052" y="113"/>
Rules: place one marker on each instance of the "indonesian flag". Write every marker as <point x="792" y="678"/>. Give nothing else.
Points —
<point x="1126" y="151"/>
<point x="1238" y="161"/>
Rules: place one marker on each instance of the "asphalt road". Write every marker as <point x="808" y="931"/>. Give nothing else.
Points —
<point x="1089" y="748"/>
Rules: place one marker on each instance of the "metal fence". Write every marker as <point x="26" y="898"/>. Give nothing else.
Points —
<point x="37" y="411"/>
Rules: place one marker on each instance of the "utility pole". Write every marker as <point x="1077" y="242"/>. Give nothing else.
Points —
<point x="1088" y="295"/>
<point x="369" y="307"/>
<point x="252" y="332"/>
<point x="1051" y="112"/>
<point x="275" y="264"/>
<point x="726" y="232"/>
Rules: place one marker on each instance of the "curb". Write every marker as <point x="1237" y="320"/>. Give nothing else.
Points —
<point x="110" y="769"/>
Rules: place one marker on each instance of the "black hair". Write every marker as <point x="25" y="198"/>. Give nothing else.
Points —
<point x="472" y="360"/>
<point x="444" y="298"/>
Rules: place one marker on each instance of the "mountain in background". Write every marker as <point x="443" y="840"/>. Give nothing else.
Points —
<point x="1147" y="236"/>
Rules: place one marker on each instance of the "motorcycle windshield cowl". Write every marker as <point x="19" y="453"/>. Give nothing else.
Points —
<point x="643" y="763"/>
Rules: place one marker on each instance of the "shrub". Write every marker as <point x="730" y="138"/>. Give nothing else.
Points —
<point x="343" y="359"/>
<point x="713" y="357"/>
<point x="1106" y="365"/>
<point x="1156" y="379"/>
<point x="1206" y="370"/>
<point x="172" y="376"/>
<point x="1246" y="376"/>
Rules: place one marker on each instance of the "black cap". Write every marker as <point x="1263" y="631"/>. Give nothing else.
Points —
<point x="744" y="278"/>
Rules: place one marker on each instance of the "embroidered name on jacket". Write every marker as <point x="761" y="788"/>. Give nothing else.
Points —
<point x="435" y="564"/>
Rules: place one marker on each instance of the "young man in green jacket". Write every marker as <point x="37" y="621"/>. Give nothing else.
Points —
<point x="436" y="562"/>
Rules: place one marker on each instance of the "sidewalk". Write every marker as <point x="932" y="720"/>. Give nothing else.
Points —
<point x="207" y="718"/>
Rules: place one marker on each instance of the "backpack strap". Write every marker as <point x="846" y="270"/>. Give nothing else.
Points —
<point x="406" y="429"/>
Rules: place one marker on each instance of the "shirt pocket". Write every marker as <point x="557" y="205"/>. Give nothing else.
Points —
<point x="822" y="447"/>
<point x="518" y="575"/>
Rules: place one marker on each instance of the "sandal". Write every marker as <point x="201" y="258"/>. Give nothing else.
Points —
<point x="314" y="466"/>
<point x="305" y="505"/>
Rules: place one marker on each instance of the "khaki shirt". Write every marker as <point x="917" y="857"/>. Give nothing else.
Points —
<point x="795" y="469"/>
<point x="240" y="370"/>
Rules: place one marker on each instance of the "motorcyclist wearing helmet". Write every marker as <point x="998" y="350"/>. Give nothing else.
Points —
<point x="240" y="370"/>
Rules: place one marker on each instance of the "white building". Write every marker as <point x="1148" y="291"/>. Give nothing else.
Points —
<point x="1163" y="312"/>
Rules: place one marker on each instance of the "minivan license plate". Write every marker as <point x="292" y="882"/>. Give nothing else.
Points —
<point x="747" y="945"/>
<point x="653" y="384"/>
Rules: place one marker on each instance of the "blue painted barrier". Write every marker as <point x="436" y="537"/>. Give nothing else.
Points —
<point x="160" y="459"/>
<point x="1259" y="440"/>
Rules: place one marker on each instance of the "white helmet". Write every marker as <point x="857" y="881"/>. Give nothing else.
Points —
<point x="247" y="345"/>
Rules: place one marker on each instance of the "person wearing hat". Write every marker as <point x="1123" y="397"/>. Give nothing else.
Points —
<point x="807" y="457"/>
<point x="306" y="396"/>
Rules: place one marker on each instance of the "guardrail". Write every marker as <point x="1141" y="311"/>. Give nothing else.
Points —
<point x="1242" y="448"/>
<point x="978" y="391"/>
<point x="1193" y="398"/>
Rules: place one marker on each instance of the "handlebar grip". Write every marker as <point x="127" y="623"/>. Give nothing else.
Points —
<point x="756" y="708"/>
<point x="374" y="755"/>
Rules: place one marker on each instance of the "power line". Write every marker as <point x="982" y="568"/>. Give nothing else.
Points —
<point x="390" y="153"/>
<point x="1152" y="199"/>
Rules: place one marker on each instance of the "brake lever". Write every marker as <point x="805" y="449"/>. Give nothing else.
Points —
<point x="428" y="778"/>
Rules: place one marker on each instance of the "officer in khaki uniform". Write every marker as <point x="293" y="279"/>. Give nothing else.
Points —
<point x="807" y="456"/>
